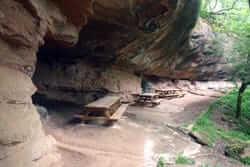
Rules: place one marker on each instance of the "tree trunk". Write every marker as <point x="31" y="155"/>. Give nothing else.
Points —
<point x="239" y="100"/>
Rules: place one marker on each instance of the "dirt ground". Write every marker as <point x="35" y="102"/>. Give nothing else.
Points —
<point x="138" y="139"/>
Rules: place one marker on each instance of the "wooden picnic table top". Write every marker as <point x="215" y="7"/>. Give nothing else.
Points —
<point x="104" y="103"/>
<point x="148" y="94"/>
<point x="168" y="89"/>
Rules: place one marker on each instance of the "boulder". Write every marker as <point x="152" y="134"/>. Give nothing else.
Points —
<point x="246" y="152"/>
<point x="201" y="138"/>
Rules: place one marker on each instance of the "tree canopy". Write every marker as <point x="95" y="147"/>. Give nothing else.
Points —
<point x="227" y="15"/>
<point x="233" y="18"/>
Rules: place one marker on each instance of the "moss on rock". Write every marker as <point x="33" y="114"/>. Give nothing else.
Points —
<point x="235" y="150"/>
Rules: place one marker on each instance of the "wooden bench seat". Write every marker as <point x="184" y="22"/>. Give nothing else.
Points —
<point x="147" y="98"/>
<point x="170" y="93"/>
<point x="90" y="118"/>
<point x="182" y="94"/>
<point x="118" y="114"/>
<point x="157" y="102"/>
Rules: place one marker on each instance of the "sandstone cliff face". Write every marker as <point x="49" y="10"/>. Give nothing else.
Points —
<point x="205" y="58"/>
<point x="82" y="83"/>
<point x="103" y="42"/>
<point x="143" y="37"/>
<point x="120" y="39"/>
<point x="167" y="51"/>
<point x="23" y="27"/>
<point x="123" y="43"/>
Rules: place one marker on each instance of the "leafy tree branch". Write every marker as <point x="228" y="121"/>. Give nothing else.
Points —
<point x="221" y="11"/>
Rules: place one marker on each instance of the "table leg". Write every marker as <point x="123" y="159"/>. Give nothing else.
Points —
<point x="107" y="114"/>
<point x="86" y="116"/>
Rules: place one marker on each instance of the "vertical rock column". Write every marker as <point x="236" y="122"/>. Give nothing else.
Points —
<point x="23" y="26"/>
<point x="19" y="122"/>
<point x="22" y="140"/>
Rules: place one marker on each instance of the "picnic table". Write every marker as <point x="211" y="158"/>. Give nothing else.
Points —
<point x="108" y="108"/>
<point x="169" y="93"/>
<point x="147" y="98"/>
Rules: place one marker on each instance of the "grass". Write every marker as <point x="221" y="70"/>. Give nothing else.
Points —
<point x="240" y="131"/>
<point x="205" y="125"/>
<point x="181" y="159"/>
<point x="226" y="104"/>
<point x="229" y="102"/>
<point x="161" y="162"/>
<point x="245" y="160"/>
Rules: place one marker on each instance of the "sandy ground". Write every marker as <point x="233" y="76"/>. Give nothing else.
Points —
<point x="137" y="140"/>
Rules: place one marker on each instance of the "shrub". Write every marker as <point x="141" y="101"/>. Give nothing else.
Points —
<point x="181" y="159"/>
<point x="161" y="162"/>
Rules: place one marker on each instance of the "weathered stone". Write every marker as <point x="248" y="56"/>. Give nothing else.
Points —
<point x="246" y="153"/>
<point x="20" y="126"/>
<point x="17" y="92"/>
<point x="200" y="138"/>
<point x="84" y="82"/>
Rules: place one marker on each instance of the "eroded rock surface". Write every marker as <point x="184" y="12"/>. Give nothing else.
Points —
<point x="23" y="26"/>
<point x="82" y="83"/>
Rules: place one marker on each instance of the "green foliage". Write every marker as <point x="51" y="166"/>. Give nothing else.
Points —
<point x="161" y="162"/>
<point x="239" y="135"/>
<point x="216" y="46"/>
<point x="245" y="160"/>
<point x="227" y="104"/>
<point x="205" y="125"/>
<point x="227" y="15"/>
<point x="181" y="159"/>
<point x="232" y="17"/>
<point x="235" y="150"/>
<point x="241" y="62"/>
